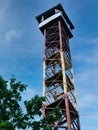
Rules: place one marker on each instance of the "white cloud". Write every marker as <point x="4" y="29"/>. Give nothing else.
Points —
<point x="93" y="40"/>
<point x="86" y="119"/>
<point x="87" y="101"/>
<point x="88" y="58"/>
<point x="94" y="115"/>
<point x="29" y="93"/>
<point x="89" y="115"/>
<point x="87" y="77"/>
<point x="4" y="5"/>
<point x="10" y="35"/>
<point x="86" y="40"/>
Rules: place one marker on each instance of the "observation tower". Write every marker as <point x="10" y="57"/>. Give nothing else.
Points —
<point x="58" y="79"/>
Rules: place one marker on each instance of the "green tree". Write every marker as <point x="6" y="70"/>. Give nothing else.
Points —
<point x="12" y="115"/>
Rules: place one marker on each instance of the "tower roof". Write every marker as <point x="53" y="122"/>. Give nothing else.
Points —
<point x="51" y="12"/>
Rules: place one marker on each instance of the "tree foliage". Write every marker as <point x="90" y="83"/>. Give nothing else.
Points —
<point x="10" y="111"/>
<point x="13" y="116"/>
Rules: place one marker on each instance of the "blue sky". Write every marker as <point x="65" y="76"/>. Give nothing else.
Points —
<point x="21" y="49"/>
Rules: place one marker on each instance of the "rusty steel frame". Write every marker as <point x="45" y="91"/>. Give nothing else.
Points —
<point x="58" y="85"/>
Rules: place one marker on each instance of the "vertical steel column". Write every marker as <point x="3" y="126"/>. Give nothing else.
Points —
<point x="44" y="43"/>
<point x="64" y="77"/>
<point x="44" y="67"/>
<point x="55" y="127"/>
<point x="67" y="112"/>
<point x="60" y="35"/>
<point x="43" y="109"/>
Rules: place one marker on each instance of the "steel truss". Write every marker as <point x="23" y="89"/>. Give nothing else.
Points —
<point x="58" y="82"/>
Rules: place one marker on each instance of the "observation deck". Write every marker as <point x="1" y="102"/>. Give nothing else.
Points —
<point x="54" y="14"/>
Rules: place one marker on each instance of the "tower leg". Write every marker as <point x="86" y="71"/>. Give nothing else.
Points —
<point x="43" y="110"/>
<point x="67" y="111"/>
<point x="55" y="127"/>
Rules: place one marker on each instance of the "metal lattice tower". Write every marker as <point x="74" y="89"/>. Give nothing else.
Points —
<point x="58" y="80"/>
